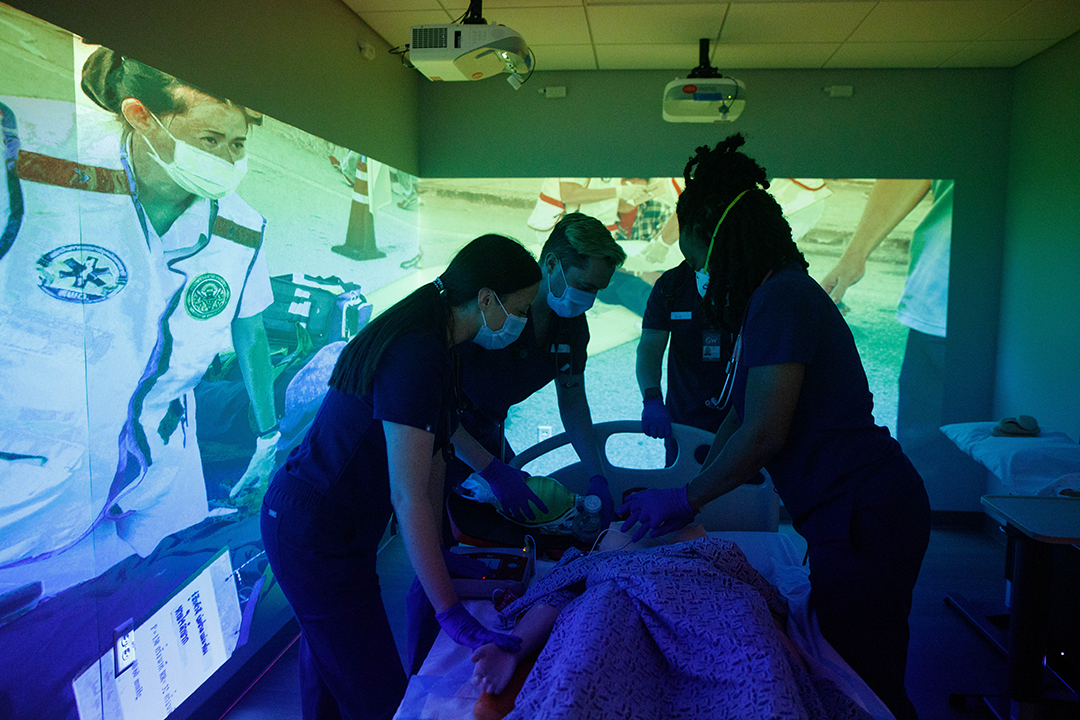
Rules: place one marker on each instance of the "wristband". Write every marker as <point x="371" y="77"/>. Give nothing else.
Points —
<point x="652" y="393"/>
<point x="272" y="431"/>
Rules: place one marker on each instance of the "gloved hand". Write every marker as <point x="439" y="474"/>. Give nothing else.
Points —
<point x="463" y="566"/>
<point x="661" y="510"/>
<point x="510" y="489"/>
<point x="467" y="630"/>
<point x="261" y="467"/>
<point x="655" y="418"/>
<point x="598" y="486"/>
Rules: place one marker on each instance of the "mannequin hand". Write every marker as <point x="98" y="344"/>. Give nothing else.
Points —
<point x="655" y="418"/>
<point x="463" y="566"/>
<point x="660" y="510"/>
<point x="467" y="630"/>
<point x="510" y="490"/>
<point x="598" y="486"/>
<point x="261" y="466"/>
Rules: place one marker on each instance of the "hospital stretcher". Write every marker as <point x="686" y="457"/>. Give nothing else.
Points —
<point x="442" y="690"/>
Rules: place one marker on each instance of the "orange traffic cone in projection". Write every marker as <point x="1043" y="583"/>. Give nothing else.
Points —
<point x="360" y="238"/>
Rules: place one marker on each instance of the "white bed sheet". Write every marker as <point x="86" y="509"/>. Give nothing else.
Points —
<point x="443" y="691"/>
<point x="1040" y="465"/>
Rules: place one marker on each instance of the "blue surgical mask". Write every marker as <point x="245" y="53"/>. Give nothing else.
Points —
<point x="573" y="302"/>
<point x="702" y="278"/>
<point x="498" y="339"/>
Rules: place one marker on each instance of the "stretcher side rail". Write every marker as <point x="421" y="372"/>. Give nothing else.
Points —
<point x="749" y="507"/>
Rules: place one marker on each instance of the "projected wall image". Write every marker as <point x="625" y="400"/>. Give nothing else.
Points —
<point x="894" y="222"/>
<point x="177" y="275"/>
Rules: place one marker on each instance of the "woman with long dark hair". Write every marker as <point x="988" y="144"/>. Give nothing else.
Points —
<point x="802" y="409"/>
<point x="379" y="444"/>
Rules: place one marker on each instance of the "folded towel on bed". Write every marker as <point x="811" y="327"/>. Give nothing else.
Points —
<point x="1019" y="426"/>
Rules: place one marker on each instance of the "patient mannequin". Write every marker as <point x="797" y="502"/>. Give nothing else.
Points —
<point x="496" y="670"/>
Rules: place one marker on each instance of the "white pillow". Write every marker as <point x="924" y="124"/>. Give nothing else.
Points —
<point x="1023" y="464"/>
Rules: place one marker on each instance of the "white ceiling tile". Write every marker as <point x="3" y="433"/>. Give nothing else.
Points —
<point x="681" y="57"/>
<point x="933" y="20"/>
<point x="786" y="56"/>
<point x="544" y="26"/>
<point x="1039" y="20"/>
<point x="781" y="22"/>
<point x="528" y="4"/>
<point x="601" y="3"/>
<point x="893" y="54"/>
<point x="396" y="27"/>
<point x="654" y="25"/>
<point x="364" y="6"/>
<point x="564" y="57"/>
<point x="997" y="53"/>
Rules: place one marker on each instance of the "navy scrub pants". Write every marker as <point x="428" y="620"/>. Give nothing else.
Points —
<point x="865" y="552"/>
<point x="349" y="664"/>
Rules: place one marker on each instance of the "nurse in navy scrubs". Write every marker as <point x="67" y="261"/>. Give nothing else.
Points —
<point x="698" y="350"/>
<point x="378" y="445"/>
<point x="802" y="409"/>
<point x="578" y="260"/>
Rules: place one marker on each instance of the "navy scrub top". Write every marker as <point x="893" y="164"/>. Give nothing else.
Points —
<point x="343" y="460"/>
<point x="493" y="381"/>
<point x="790" y="318"/>
<point x="698" y="351"/>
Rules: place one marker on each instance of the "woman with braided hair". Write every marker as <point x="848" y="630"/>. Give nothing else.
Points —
<point x="799" y="406"/>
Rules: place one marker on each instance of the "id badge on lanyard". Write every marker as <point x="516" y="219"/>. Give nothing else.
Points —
<point x="721" y="401"/>
<point x="712" y="346"/>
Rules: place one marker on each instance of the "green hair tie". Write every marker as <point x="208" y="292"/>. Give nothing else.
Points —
<point x="717" y="228"/>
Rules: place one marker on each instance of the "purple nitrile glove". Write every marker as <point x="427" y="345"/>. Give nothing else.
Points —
<point x="466" y="630"/>
<point x="660" y="510"/>
<point x="463" y="566"/>
<point x="510" y="489"/>
<point x="598" y="486"/>
<point x="655" y="418"/>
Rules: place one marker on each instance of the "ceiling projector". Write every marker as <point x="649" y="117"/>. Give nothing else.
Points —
<point x="469" y="52"/>
<point x="704" y="96"/>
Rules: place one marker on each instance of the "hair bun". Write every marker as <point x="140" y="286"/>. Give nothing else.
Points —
<point x="101" y="75"/>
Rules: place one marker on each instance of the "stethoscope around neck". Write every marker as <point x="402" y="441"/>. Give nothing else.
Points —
<point x="724" y="398"/>
<point x="721" y="401"/>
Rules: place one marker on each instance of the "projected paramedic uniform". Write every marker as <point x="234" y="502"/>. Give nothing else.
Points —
<point x="851" y="491"/>
<point x="105" y="329"/>
<point x="697" y="352"/>
<point x="493" y="381"/>
<point x="324" y="514"/>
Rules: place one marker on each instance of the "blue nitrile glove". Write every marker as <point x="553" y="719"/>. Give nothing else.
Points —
<point x="598" y="486"/>
<point x="467" y="630"/>
<point x="463" y="566"/>
<point x="661" y="510"/>
<point x="655" y="418"/>
<point x="510" y="489"/>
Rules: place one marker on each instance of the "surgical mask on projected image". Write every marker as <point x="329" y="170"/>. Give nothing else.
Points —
<point x="197" y="171"/>
<point x="498" y="339"/>
<point x="573" y="302"/>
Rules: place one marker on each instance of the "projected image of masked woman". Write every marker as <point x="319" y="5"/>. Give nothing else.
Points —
<point x="130" y="261"/>
<point x="379" y="444"/>
<point x="801" y="408"/>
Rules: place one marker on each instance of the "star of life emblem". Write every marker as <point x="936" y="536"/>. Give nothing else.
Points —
<point x="206" y="296"/>
<point x="81" y="273"/>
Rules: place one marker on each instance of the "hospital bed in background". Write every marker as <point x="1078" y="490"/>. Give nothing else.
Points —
<point x="748" y="516"/>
